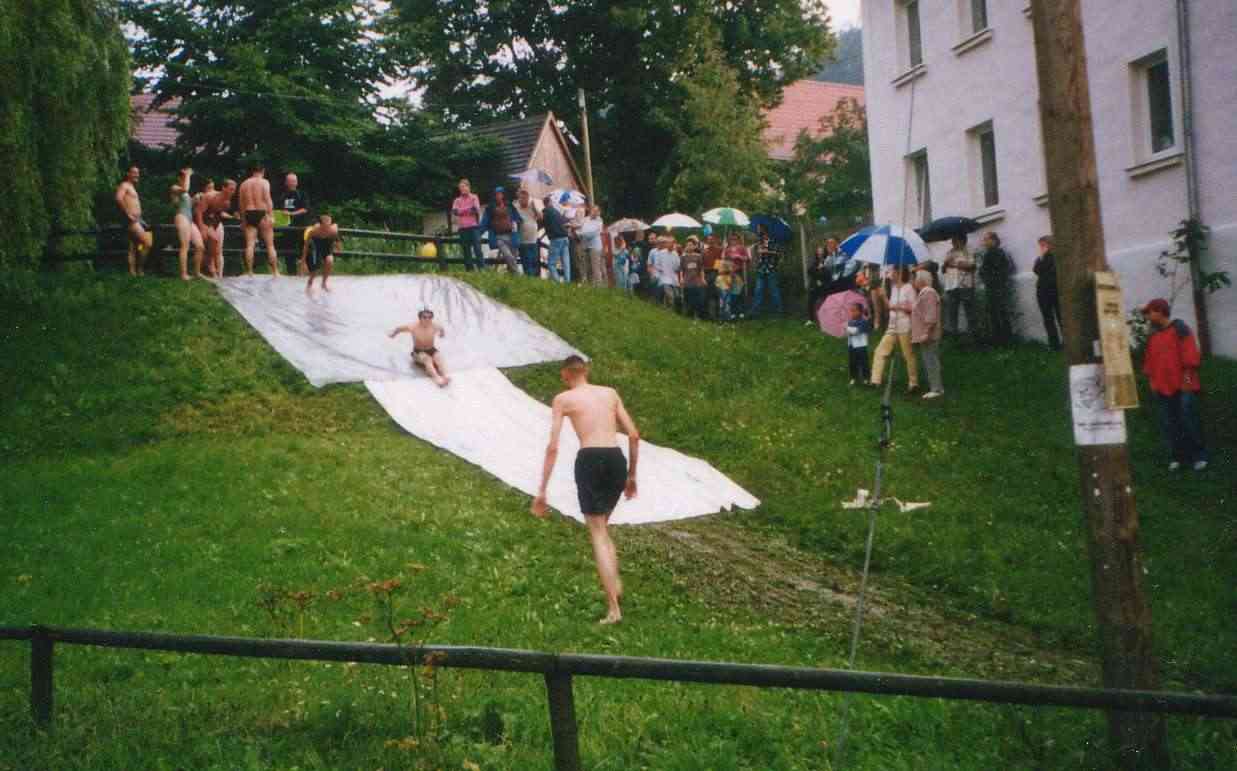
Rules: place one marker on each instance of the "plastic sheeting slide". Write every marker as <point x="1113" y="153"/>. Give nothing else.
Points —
<point x="341" y="336"/>
<point x="484" y="419"/>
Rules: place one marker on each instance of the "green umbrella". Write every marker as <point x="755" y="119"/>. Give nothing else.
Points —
<point x="724" y="215"/>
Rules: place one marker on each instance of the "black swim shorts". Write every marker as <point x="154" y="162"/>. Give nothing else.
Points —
<point x="254" y="217"/>
<point x="426" y="351"/>
<point x="601" y="475"/>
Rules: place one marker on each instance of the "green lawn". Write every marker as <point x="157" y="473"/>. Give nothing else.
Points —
<point x="165" y="470"/>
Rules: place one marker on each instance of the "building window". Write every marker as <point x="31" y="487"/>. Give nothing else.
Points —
<point x="1151" y="106"/>
<point x="909" y="31"/>
<point x="979" y="15"/>
<point x="1160" y="104"/>
<point x="985" y="140"/>
<point x="921" y="200"/>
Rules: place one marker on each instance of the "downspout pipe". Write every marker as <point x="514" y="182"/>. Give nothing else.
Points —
<point x="1193" y="204"/>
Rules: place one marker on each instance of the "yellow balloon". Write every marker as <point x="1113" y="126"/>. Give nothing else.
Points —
<point x="428" y="250"/>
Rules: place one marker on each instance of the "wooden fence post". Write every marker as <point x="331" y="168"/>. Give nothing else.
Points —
<point x="41" y="668"/>
<point x="563" y="722"/>
<point x="441" y="248"/>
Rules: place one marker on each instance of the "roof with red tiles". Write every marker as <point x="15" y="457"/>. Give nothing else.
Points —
<point x="152" y="127"/>
<point x="804" y="103"/>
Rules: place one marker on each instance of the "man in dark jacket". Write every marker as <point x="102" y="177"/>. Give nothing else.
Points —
<point x="555" y="225"/>
<point x="1046" y="291"/>
<point x="995" y="271"/>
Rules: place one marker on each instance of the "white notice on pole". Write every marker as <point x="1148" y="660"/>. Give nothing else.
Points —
<point x="1094" y="423"/>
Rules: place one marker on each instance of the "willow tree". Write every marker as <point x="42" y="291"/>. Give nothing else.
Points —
<point x="64" y="117"/>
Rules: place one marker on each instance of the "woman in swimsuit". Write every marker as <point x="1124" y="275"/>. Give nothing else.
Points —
<point x="185" y="229"/>
<point x="321" y="243"/>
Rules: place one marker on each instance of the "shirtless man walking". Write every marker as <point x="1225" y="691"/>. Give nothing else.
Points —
<point x="140" y="238"/>
<point x="256" y="209"/>
<point x="209" y="212"/>
<point x="602" y="474"/>
<point x="424" y="354"/>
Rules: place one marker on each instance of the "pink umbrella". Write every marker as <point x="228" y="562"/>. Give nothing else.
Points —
<point x="834" y="312"/>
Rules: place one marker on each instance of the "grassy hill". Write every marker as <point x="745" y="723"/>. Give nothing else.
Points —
<point x="164" y="469"/>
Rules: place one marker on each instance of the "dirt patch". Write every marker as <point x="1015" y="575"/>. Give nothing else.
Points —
<point x="727" y="565"/>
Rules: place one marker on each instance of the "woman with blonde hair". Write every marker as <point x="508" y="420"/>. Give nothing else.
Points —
<point x="186" y="232"/>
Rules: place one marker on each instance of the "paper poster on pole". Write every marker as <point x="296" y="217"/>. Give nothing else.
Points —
<point x="1094" y="422"/>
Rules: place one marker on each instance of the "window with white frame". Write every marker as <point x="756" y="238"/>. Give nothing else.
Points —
<point x="982" y="140"/>
<point x="1154" y="120"/>
<point x="910" y="48"/>
<point x="920" y="202"/>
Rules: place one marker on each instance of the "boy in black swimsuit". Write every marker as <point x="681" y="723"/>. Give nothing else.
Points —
<point x="424" y="354"/>
<point x="602" y="474"/>
<point x="318" y="252"/>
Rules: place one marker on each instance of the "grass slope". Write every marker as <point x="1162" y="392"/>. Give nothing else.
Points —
<point x="164" y="469"/>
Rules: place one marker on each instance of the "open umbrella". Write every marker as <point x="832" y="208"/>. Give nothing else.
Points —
<point x="675" y="220"/>
<point x="886" y="245"/>
<point x="628" y="225"/>
<point x="534" y="175"/>
<point x="945" y="228"/>
<point x="724" y="215"/>
<point x="779" y="231"/>
<point x="564" y="197"/>
<point x="834" y="312"/>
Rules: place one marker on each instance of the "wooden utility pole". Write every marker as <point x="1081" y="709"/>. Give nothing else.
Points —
<point x="1121" y="610"/>
<point x="588" y="153"/>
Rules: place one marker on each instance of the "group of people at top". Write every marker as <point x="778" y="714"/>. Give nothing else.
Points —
<point x="200" y="215"/>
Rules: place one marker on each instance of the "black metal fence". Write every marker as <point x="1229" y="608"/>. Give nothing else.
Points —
<point x="110" y="243"/>
<point x="558" y="669"/>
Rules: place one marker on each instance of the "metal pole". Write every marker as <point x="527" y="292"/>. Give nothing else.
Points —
<point x="41" y="671"/>
<point x="563" y="722"/>
<point x="588" y="153"/>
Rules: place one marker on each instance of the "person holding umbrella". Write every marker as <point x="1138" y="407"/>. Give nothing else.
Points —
<point x="959" y="281"/>
<point x="767" y="259"/>
<point x="901" y="304"/>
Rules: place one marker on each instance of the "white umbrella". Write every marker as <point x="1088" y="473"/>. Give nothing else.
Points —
<point x="534" y="175"/>
<point x="675" y="220"/>
<point x="628" y="225"/>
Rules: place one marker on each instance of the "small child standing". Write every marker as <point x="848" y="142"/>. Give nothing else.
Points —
<point x="857" y="329"/>
<point x="723" y="282"/>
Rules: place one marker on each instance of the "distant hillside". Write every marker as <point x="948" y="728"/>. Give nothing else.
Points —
<point x="847" y="63"/>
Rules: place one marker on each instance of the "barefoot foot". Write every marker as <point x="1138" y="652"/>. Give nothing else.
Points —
<point x="613" y="617"/>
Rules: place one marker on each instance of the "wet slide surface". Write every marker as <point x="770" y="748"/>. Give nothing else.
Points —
<point x="482" y="417"/>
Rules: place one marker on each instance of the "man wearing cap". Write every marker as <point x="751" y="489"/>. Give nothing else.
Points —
<point x="502" y="221"/>
<point x="1171" y="364"/>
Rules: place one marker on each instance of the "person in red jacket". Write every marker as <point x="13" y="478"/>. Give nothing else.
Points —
<point x="1171" y="365"/>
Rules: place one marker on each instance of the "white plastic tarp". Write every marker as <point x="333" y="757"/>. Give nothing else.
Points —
<point x="341" y="336"/>
<point x="485" y="419"/>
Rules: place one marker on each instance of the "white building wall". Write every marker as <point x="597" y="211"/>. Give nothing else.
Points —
<point x="968" y="79"/>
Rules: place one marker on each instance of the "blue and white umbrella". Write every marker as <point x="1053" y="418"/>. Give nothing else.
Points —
<point x="567" y="197"/>
<point x="886" y="245"/>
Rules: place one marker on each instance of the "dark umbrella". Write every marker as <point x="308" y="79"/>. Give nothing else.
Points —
<point x="778" y="230"/>
<point x="945" y="228"/>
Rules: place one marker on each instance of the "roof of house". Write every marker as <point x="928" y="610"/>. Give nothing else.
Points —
<point x="153" y="127"/>
<point x="804" y="103"/>
<point x="519" y="140"/>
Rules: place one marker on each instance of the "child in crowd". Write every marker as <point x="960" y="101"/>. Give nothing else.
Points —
<point x="857" y="329"/>
<point x="622" y="264"/>
<point x="723" y="283"/>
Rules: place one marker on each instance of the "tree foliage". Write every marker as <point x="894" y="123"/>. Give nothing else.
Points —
<point x="719" y="156"/>
<point x="830" y="174"/>
<point x="845" y="64"/>
<point x="64" y="116"/>
<point x="481" y="62"/>
<point x="296" y="83"/>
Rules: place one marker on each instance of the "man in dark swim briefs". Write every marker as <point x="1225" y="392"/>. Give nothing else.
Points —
<point x="256" y="207"/>
<point x="424" y="354"/>
<point x="602" y="474"/>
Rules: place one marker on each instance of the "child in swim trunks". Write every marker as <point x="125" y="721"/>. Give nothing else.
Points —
<point x="424" y="353"/>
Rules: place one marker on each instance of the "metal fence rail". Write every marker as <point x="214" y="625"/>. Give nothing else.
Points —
<point x="166" y="243"/>
<point x="559" y="669"/>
